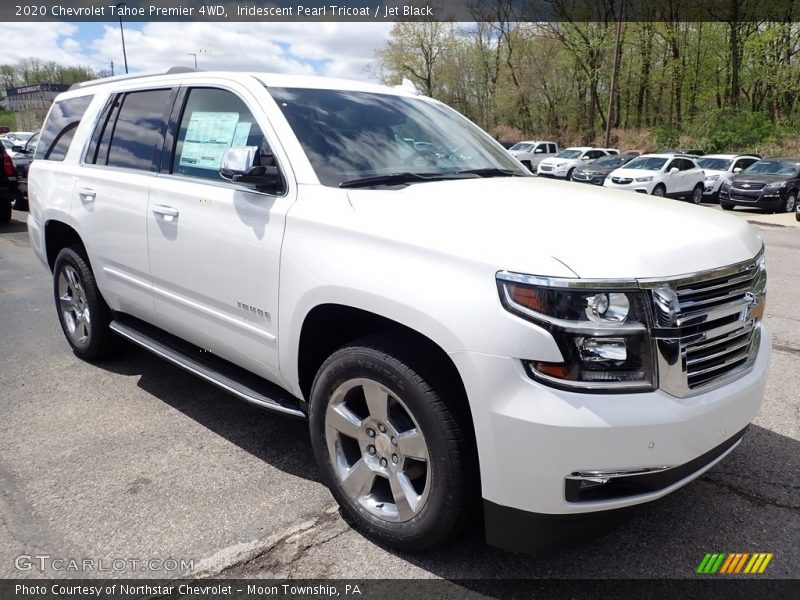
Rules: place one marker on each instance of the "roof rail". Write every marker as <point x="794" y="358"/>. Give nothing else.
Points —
<point x="170" y="71"/>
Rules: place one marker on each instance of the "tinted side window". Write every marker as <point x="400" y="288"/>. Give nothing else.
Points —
<point x="743" y="163"/>
<point x="214" y="120"/>
<point x="686" y="165"/>
<point x="139" y="129"/>
<point x="60" y="128"/>
<point x="673" y="164"/>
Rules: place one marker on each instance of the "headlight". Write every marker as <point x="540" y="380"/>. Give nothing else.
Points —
<point x="561" y="164"/>
<point x="726" y="184"/>
<point x="712" y="177"/>
<point x="775" y="186"/>
<point x="602" y="333"/>
<point x="643" y="179"/>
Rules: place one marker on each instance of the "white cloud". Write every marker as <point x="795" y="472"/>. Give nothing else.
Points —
<point x="331" y="49"/>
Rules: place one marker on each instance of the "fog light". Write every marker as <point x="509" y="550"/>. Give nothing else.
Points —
<point x="602" y="349"/>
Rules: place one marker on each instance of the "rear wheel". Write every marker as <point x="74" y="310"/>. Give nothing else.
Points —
<point x="82" y="312"/>
<point x="20" y="201"/>
<point x="390" y="446"/>
<point x="5" y="211"/>
<point x="659" y="190"/>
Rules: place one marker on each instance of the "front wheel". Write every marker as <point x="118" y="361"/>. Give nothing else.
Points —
<point x="697" y="194"/>
<point x="390" y="447"/>
<point x="82" y="312"/>
<point x="726" y="206"/>
<point x="790" y="202"/>
<point x="659" y="191"/>
<point x="569" y="174"/>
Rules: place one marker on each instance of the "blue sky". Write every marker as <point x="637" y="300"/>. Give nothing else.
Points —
<point x="332" y="49"/>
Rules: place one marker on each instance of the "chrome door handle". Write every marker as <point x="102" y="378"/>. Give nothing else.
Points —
<point x="169" y="213"/>
<point x="87" y="195"/>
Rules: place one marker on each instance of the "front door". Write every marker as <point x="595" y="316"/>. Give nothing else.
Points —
<point x="215" y="246"/>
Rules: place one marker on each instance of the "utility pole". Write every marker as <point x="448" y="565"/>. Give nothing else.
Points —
<point x="195" y="58"/>
<point x="112" y="68"/>
<point x="614" y="70"/>
<point x="122" y="35"/>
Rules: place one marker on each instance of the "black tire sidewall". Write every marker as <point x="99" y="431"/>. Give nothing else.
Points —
<point x="785" y="206"/>
<point x="436" y="521"/>
<point x="5" y="211"/>
<point x="100" y="334"/>
<point x="696" y="195"/>
<point x="661" y="187"/>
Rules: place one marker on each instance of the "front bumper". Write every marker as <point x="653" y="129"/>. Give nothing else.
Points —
<point x="531" y="438"/>
<point x="582" y="177"/>
<point x="551" y="171"/>
<point x="758" y="198"/>
<point x="635" y="186"/>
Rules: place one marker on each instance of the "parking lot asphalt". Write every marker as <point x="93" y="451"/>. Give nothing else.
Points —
<point x="133" y="458"/>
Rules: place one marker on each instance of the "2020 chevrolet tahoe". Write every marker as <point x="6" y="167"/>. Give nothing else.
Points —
<point x="455" y="330"/>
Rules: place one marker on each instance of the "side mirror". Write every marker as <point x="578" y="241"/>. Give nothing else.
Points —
<point x="239" y="166"/>
<point x="17" y="148"/>
<point x="538" y="151"/>
<point x="673" y="170"/>
<point x="737" y="170"/>
<point x="585" y="158"/>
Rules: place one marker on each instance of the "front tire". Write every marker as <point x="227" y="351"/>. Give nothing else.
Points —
<point x="82" y="312"/>
<point x="697" y="194"/>
<point x="391" y="446"/>
<point x="726" y="206"/>
<point x="659" y="191"/>
<point x="790" y="202"/>
<point x="569" y="174"/>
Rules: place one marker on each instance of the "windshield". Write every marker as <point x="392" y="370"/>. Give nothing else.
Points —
<point x="714" y="164"/>
<point x="569" y="153"/>
<point x="651" y="163"/>
<point x="350" y="135"/>
<point x="773" y="167"/>
<point x="522" y="147"/>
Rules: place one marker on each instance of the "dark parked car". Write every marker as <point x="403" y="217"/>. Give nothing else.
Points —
<point x="772" y="183"/>
<point x="23" y="158"/>
<point x="8" y="186"/>
<point x="596" y="171"/>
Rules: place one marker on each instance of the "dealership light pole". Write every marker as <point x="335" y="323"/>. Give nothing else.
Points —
<point x="122" y="35"/>
<point x="195" y="58"/>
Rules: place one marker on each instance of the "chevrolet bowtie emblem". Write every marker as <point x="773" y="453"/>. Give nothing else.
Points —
<point x="746" y="185"/>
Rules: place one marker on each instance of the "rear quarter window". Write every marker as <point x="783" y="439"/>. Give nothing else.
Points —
<point x="58" y="131"/>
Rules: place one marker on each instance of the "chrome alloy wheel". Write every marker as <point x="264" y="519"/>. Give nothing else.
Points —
<point x="74" y="306"/>
<point x="377" y="450"/>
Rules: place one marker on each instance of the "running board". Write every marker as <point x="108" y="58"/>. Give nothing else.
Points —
<point x="231" y="378"/>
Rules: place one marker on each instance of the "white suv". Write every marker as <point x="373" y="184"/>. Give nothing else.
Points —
<point x="530" y="154"/>
<point x="565" y="162"/>
<point x="720" y="168"/>
<point x="671" y="175"/>
<point x="453" y="329"/>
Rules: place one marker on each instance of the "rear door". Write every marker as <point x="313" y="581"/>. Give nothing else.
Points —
<point x="110" y="197"/>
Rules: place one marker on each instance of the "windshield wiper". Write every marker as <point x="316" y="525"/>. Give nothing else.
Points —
<point x="400" y="178"/>
<point x="490" y="172"/>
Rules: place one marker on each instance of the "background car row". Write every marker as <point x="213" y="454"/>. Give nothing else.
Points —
<point x="18" y="149"/>
<point x="731" y="179"/>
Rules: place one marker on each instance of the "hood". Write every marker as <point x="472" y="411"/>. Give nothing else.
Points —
<point x="543" y="227"/>
<point x="591" y="168"/>
<point x="759" y="178"/>
<point x="715" y="172"/>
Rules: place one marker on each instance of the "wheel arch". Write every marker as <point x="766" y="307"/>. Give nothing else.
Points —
<point x="57" y="236"/>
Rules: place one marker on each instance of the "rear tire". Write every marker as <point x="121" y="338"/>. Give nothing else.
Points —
<point x="5" y="211"/>
<point x="659" y="190"/>
<point x="527" y="165"/>
<point x="83" y="314"/>
<point x="20" y="202"/>
<point x="412" y="491"/>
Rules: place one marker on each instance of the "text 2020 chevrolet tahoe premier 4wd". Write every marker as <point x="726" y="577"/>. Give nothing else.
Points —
<point x="453" y="328"/>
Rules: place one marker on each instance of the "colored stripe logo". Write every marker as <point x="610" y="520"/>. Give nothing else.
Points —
<point x="734" y="562"/>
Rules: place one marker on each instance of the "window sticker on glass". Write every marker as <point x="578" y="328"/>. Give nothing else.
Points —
<point x="207" y="137"/>
<point x="240" y="135"/>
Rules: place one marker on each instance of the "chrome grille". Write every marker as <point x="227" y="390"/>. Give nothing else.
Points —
<point x="706" y="326"/>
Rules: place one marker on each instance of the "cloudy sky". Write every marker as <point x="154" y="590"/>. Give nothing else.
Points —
<point x="331" y="49"/>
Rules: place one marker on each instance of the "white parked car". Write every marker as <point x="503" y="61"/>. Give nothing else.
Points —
<point x="720" y="168"/>
<point x="531" y="154"/>
<point x="671" y="175"/>
<point x="565" y="162"/>
<point x="458" y="334"/>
